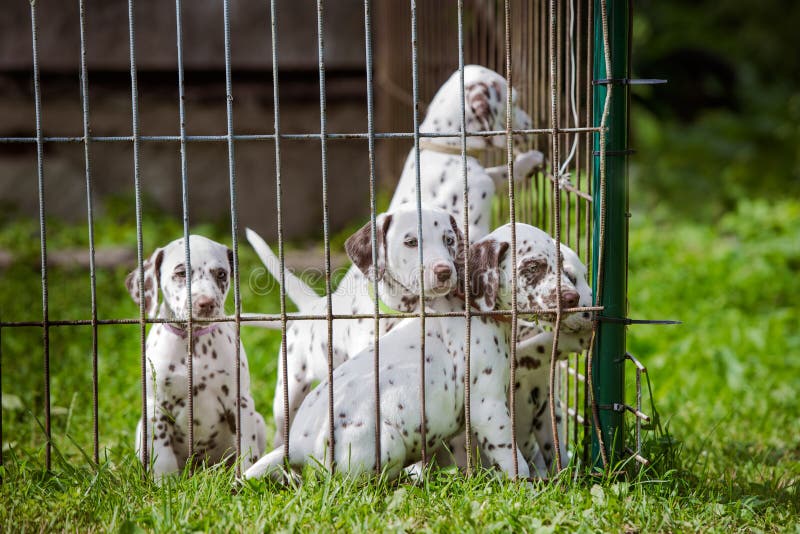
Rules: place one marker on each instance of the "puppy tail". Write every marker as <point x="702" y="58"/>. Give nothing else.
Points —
<point x="297" y="290"/>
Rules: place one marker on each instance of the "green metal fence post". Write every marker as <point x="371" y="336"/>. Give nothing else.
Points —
<point x="608" y="371"/>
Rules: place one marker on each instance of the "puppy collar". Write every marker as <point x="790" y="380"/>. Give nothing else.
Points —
<point x="430" y="144"/>
<point x="382" y="306"/>
<point x="180" y="332"/>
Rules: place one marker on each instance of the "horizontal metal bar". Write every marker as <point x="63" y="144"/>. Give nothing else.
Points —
<point x="578" y="417"/>
<point x="629" y="81"/>
<point x="626" y="152"/>
<point x="571" y="188"/>
<point x="571" y="371"/>
<point x="269" y="137"/>
<point x="618" y="407"/>
<point x="292" y="317"/>
<point x="638" y="457"/>
<point x="636" y="362"/>
<point x="629" y="321"/>
<point x="641" y="415"/>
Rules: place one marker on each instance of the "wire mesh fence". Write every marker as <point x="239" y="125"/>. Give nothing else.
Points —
<point x="544" y="49"/>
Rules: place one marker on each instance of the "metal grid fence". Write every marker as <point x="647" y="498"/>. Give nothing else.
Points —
<point x="545" y="47"/>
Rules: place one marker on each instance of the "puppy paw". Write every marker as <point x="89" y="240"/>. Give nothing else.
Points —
<point x="564" y="181"/>
<point x="527" y="161"/>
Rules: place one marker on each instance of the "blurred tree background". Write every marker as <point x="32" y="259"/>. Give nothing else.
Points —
<point x="727" y="125"/>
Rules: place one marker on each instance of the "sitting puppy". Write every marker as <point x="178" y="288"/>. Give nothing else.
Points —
<point x="441" y="166"/>
<point x="401" y="414"/>
<point x="214" y="364"/>
<point x="535" y="433"/>
<point x="397" y="271"/>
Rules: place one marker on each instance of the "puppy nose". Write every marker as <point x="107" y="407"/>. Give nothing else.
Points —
<point x="203" y="304"/>
<point x="443" y="272"/>
<point x="570" y="299"/>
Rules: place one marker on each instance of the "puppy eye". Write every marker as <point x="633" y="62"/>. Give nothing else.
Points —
<point x="221" y="275"/>
<point x="449" y="240"/>
<point x="571" y="277"/>
<point x="410" y="242"/>
<point x="533" y="267"/>
<point x="180" y="272"/>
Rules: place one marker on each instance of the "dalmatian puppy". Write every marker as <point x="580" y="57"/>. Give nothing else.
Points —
<point x="400" y="425"/>
<point x="397" y="271"/>
<point x="214" y="363"/>
<point x="534" y="432"/>
<point x="441" y="181"/>
<point x="533" y="371"/>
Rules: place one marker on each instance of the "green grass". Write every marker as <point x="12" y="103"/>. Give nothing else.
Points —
<point x="725" y="383"/>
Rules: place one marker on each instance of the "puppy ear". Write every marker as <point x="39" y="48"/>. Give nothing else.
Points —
<point x="230" y="262"/>
<point x="459" y="235"/>
<point x="484" y="102"/>
<point x="459" y="256"/>
<point x="484" y="272"/>
<point x="359" y="247"/>
<point x="152" y="282"/>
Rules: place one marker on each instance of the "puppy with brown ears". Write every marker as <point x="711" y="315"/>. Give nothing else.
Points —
<point x="214" y="361"/>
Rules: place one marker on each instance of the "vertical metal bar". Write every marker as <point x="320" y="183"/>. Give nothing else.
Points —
<point x="576" y="388"/>
<point x="610" y="199"/>
<point x="568" y="65"/>
<point x="37" y="93"/>
<point x="137" y="187"/>
<point x="512" y="216"/>
<point x="588" y="135"/>
<point x="564" y="398"/>
<point x="237" y="299"/>
<point x="465" y="223"/>
<point x="590" y="208"/>
<point x="323" y="131"/>
<point x="543" y="107"/>
<point x="556" y="214"/>
<point x="415" y="92"/>
<point x="279" y="197"/>
<point x="90" y="220"/>
<point x="372" y="215"/>
<point x="578" y="136"/>
<point x="638" y="410"/>
<point x="1" y="396"/>
<point x="185" y="206"/>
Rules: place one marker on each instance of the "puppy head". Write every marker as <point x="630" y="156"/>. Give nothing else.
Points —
<point x="536" y="268"/>
<point x="484" y="106"/>
<point x="211" y="267"/>
<point x="398" y="244"/>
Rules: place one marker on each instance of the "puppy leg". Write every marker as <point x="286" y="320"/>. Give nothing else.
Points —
<point x="536" y="463"/>
<point x="253" y="437"/>
<point x="523" y="166"/>
<point x="492" y="426"/>
<point x="270" y="465"/>
<point x="537" y="349"/>
<point x="297" y="387"/>
<point x="541" y="345"/>
<point x="162" y="457"/>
